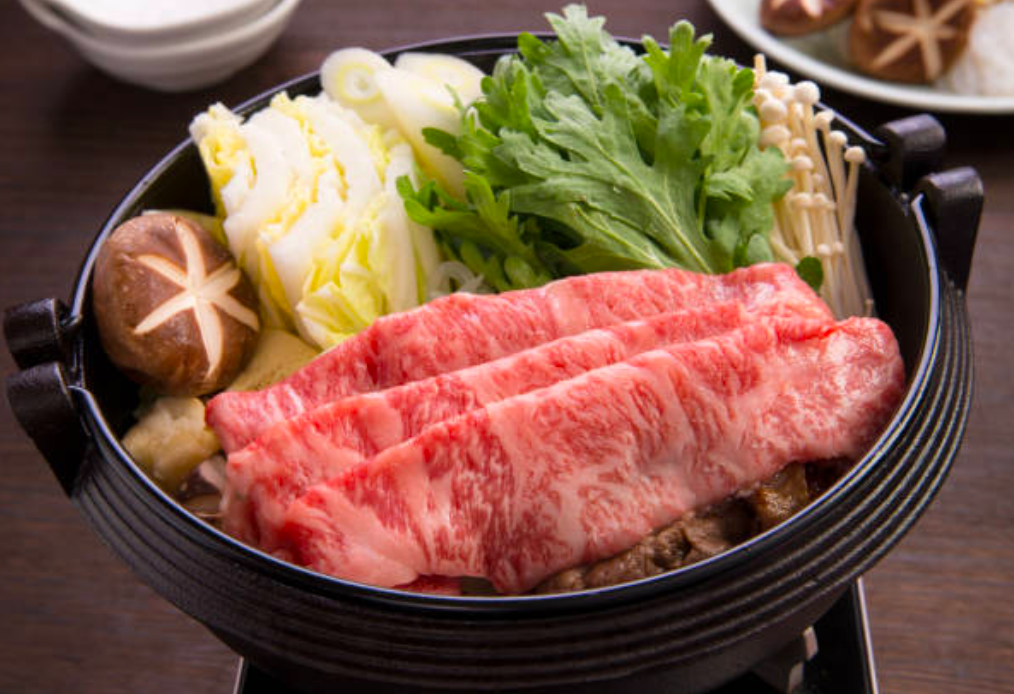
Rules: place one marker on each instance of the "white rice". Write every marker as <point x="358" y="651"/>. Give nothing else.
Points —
<point x="986" y="67"/>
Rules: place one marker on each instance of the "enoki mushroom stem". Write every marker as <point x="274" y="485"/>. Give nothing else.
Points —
<point x="817" y="216"/>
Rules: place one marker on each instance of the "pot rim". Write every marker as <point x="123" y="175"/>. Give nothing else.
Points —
<point x="491" y="44"/>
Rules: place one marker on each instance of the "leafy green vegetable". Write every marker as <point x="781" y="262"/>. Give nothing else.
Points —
<point x="509" y="261"/>
<point x="812" y="272"/>
<point x="583" y="156"/>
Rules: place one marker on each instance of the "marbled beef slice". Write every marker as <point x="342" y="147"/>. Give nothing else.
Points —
<point x="519" y="489"/>
<point x="270" y="473"/>
<point x="461" y="330"/>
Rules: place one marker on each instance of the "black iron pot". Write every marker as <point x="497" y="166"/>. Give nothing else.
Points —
<point x="705" y="623"/>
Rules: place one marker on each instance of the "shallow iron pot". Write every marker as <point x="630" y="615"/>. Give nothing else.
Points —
<point x="698" y="626"/>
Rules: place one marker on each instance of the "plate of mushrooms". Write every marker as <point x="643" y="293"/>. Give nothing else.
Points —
<point x="940" y="55"/>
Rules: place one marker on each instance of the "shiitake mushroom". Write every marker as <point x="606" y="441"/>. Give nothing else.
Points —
<point x="909" y="40"/>
<point x="173" y="310"/>
<point x="798" y="17"/>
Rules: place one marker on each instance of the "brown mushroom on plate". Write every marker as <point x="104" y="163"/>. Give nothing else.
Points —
<point x="798" y="17"/>
<point x="173" y="310"/>
<point x="909" y="40"/>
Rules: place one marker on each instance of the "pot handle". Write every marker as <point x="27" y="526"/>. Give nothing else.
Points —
<point x="39" y="331"/>
<point x="953" y="205"/>
<point x="910" y="148"/>
<point x="910" y="154"/>
<point x="40" y="395"/>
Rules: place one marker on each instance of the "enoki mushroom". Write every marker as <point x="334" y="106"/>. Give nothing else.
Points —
<point x="817" y="216"/>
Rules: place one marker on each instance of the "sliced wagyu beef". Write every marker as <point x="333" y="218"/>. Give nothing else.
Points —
<point x="462" y="330"/>
<point x="508" y="437"/>
<point x="518" y="489"/>
<point x="267" y="475"/>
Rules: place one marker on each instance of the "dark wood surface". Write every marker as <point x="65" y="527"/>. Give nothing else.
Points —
<point x="73" y="141"/>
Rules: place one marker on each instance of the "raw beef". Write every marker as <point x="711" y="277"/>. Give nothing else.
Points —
<point x="268" y="474"/>
<point x="522" y="488"/>
<point x="462" y="330"/>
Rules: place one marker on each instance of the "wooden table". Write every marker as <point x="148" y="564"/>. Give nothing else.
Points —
<point x="73" y="141"/>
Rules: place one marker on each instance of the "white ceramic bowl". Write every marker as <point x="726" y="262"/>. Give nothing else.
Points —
<point x="174" y="64"/>
<point x="130" y="21"/>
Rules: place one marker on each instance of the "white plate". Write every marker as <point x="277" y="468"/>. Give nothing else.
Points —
<point x="821" y="58"/>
